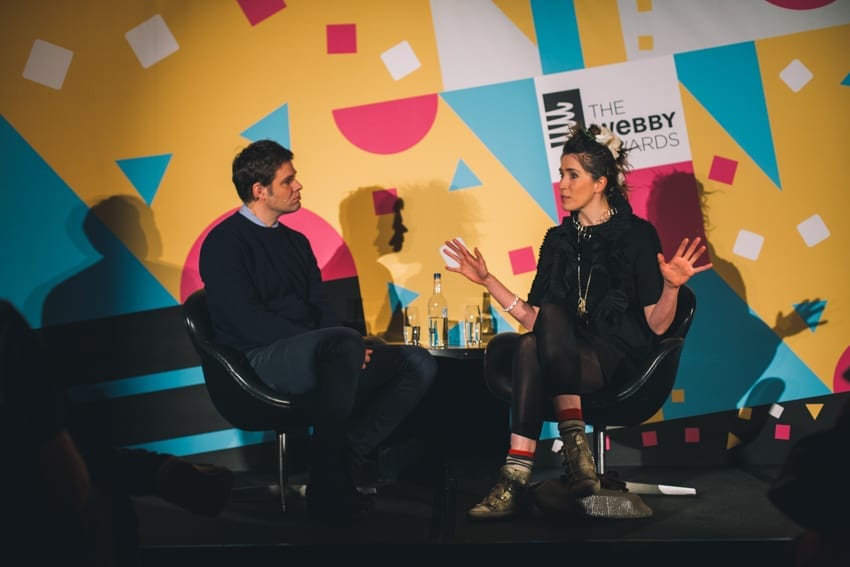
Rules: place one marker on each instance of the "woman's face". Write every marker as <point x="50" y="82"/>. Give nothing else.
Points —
<point x="577" y="187"/>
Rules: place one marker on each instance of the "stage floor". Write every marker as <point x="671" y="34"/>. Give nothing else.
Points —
<point x="728" y="522"/>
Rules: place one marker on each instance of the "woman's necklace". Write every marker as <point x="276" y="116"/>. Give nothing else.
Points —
<point x="582" y="297"/>
<point x="583" y="232"/>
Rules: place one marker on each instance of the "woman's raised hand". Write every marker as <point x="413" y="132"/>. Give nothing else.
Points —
<point x="680" y="268"/>
<point x="470" y="264"/>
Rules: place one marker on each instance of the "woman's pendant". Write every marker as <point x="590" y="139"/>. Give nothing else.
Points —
<point x="582" y="306"/>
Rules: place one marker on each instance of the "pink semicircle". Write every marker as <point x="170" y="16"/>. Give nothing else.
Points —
<point x="800" y="4"/>
<point x="388" y="127"/>
<point x="332" y="253"/>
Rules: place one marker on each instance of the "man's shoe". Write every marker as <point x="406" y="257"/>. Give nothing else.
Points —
<point x="508" y="498"/>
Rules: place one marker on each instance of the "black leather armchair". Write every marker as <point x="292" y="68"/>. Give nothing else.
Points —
<point x="237" y="393"/>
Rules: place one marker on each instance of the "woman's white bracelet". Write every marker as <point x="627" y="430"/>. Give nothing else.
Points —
<point x="512" y="305"/>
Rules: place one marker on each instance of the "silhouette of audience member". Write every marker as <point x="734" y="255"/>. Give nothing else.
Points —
<point x="59" y="502"/>
<point x="810" y="490"/>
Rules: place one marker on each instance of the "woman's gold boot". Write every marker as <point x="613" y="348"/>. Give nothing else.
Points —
<point x="507" y="498"/>
<point x="580" y="478"/>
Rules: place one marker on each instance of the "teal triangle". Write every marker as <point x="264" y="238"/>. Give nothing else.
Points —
<point x="846" y="81"/>
<point x="274" y="126"/>
<point x="506" y="133"/>
<point x="37" y="232"/>
<point x="500" y="324"/>
<point x="400" y="297"/>
<point x="811" y="312"/>
<point x="455" y="334"/>
<point x="464" y="178"/>
<point x="145" y="173"/>
<point x="744" y="116"/>
<point x="719" y="369"/>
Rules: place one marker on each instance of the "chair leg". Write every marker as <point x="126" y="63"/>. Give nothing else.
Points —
<point x="599" y="448"/>
<point x="599" y="437"/>
<point x="282" y="475"/>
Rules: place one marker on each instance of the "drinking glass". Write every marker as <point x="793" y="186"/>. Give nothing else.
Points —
<point x="472" y="324"/>
<point x="411" y="325"/>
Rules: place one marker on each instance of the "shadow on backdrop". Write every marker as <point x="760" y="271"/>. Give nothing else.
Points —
<point x="122" y="231"/>
<point x="729" y="348"/>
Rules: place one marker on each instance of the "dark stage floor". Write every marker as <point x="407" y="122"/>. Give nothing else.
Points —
<point x="728" y="522"/>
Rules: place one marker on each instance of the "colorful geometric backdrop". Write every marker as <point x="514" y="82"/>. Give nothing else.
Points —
<point x="119" y="121"/>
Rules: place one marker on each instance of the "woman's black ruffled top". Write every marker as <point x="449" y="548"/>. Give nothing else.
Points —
<point x="619" y="256"/>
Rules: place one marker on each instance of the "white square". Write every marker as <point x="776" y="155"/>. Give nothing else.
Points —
<point x="400" y="60"/>
<point x="151" y="41"/>
<point x="748" y="244"/>
<point x="776" y="411"/>
<point x="813" y="230"/>
<point x="796" y="75"/>
<point x="48" y="64"/>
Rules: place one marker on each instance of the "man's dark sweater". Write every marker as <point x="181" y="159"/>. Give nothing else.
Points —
<point x="262" y="283"/>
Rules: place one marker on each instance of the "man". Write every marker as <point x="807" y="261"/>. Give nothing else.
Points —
<point x="266" y="299"/>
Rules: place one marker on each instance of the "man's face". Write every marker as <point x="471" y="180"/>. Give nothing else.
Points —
<point x="283" y="195"/>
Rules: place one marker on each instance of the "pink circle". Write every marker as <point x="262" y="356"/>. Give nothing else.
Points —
<point x="842" y="369"/>
<point x="332" y="253"/>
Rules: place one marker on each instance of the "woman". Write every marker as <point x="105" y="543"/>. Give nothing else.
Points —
<point x="602" y="295"/>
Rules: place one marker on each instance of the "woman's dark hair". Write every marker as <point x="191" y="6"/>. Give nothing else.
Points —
<point x="598" y="158"/>
<point x="257" y="163"/>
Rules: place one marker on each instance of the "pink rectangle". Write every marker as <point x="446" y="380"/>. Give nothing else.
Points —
<point x="692" y="435"/>
<point x="258" y="10"/>
<point x="782" y="432"/>
<point x="649" y="438"/>
<point x="384" y="201"/>
<point x="522" y="260"/>
<point x="723" y="170"/>
<point x="342" y="38"/>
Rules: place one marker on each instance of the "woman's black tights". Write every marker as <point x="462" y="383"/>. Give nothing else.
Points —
<point x="548" y="363"/>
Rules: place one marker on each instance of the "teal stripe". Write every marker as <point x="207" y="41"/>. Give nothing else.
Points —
<point x="137" y="385"/>
<point x="207" y="442"/>
<point x="558" y="41"/>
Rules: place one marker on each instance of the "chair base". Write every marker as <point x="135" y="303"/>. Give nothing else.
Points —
<point x="612" y="505"/>
<point x="607" y="504"/>
<point x="660" y="489"/>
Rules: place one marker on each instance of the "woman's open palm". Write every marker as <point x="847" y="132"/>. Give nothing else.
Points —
<point x="680" y="268"/>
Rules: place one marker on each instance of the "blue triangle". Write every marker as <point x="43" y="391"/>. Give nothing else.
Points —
<point x="41" y="232"/>
<point x="400" y="297"/>
<point x="507" y="137"/>
<point x="455" y="334"/>
<point x="463" y="178"/>
<point x="500" y="324"/>
<point x="811" y="312"/>
<point x="274" y="126"/>
<point x="743" y="116"/>
<point x="718" y="370"/>
<point x="145" y="173"/>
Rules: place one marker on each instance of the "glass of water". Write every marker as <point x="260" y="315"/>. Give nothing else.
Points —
<point x="472" y="324"/>
<point x="411" y="325"/>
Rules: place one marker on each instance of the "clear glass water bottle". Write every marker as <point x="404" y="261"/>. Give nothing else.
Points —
<point x="438" y="316"/>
